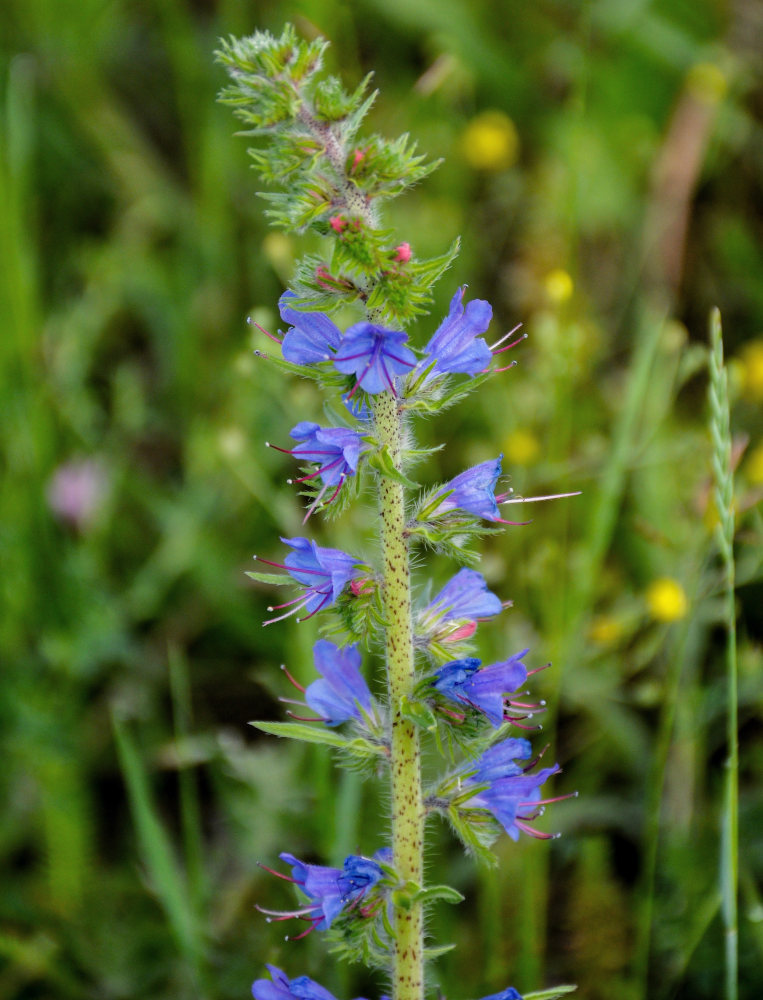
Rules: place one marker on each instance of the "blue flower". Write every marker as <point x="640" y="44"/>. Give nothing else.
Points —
<point x="323" y="573"/>
<point x="280" y="987"/>
<point x="336" y="450"/>
<point x="463" y="600"/>
<point x="341" y="692"/>
<point x="508" y="994"/>
<point x="456" y="345"/>
<point x="484" y="689"/>
<point x="473" y="490"/>
<point x="375" y="356"/>
<point x="512" y="794"/>
<point x="312" y="338"/>
<point x="330" y="890"/>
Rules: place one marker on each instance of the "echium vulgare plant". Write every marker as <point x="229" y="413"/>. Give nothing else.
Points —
<point x="323" y="177"/>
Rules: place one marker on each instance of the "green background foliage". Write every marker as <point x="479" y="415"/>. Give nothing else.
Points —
<point x="603" y="163"/>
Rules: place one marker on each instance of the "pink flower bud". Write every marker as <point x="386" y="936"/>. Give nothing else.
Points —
<point x="337" y="223"/>
<point x="403" y="253"/>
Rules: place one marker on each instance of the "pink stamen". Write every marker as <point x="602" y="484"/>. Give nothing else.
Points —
<point x="296" y="683"/>
<point x="538" y="834"/>
<point x="517" y="524"/>
<point x="263" y="330"/>
<point x="303" y="718"/>
<point x="272" y="871"/>
<point x="290" y="569"/>
<point x="323" y="603"/>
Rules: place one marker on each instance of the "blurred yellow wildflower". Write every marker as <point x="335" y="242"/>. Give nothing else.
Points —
<point x="754" y="466"/>
<point x="751" y="360"/>
<point x="666" y="600"/>
<point x="521" y="447"/>
<point x="490" y="141"/>
<point x="559" y="285"/>
<point x="707" y="83"/>
<point x="605" y="629"/>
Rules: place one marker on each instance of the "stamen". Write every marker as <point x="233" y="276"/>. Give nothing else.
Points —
<point x="262" y="329"/>
<point x="506" y="337"/>
<point x="285" y="451"/>
<point x="519" y="524"/>
<point x="290" y="569"/>
<point x="272" y="871"/>
<point x="323" y="603"/>
<point x="506" y="368"/>
<point x="280" y="618"/>
<point x="296" y="683"/>
<point x="553" y="496"/>
<point x="303" y="718"/>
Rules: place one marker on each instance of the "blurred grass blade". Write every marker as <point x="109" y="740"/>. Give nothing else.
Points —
<point x="190" y="813"/>
<point x="724" y="501"/>
<point x="166" y="877"/>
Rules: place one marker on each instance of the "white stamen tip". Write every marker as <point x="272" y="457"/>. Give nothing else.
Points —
<point x="290" y="482"/>
<point x="543" y="702"/>
<point x="271" y="609"/>
<point x="254" y="557"/>
<point x="575" y="794"/>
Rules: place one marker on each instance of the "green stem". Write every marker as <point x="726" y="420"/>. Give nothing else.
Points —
<point x="724" y="501"/>
<point x="407" y="799"/>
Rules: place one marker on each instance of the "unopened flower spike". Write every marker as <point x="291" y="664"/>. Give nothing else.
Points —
<point x="332" y="890"/>
<point x="375" y="356"/>
<point x="323" y="574"/>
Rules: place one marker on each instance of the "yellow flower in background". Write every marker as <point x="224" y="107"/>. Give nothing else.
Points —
<point x="751" y="359"/>
<point x="521" y="448"/>
<point x="707" y="82"/>
<point x="604" y="630"/>
<point x="490" y="141"/>
<point x="666" y="600"/>
<point x="754" y="466"/>
<point x="559" y="285"/>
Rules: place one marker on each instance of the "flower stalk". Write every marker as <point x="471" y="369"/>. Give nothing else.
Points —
<point x="405" y="766"/>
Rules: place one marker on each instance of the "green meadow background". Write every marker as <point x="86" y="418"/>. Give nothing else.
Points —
<point x="604" y="165"/>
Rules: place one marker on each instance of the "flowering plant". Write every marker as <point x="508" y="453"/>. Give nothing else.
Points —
<point x="332" y="183"/>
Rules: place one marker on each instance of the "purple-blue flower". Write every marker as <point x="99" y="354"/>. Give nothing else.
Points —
<point x="375" y="356"/>
<point x="280" y="987"/>
<point x="341" y="692"/>
<point x="474" y="491"/>
<point x="465" y="598"/>
<point x="330" y="890"/>
<point x="508" y="994"/>
<point x="512" y="794"/>
<point x="485" y="689"/>
<point x="456" y="345"/>
<point x="336" y="450"/>
<point x="312" y="338"/>
<point x="323" y="573"/>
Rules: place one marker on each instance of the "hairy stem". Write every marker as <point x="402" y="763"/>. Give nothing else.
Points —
<point x="407" y="801"/>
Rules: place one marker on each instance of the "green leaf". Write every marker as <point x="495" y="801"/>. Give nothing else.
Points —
<point x="436" y="950"/>
<point x="439" y="893"/>
<point x="552" y="994"/>
<point x="300" y="731"/>
<point x="381" y="460"/>
<point x="418" y="713"/>
<point x="275" y="579"/>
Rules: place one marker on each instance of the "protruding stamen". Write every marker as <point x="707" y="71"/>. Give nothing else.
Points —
<point x="291" y="678"/>
<point x="506" y="336"/>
